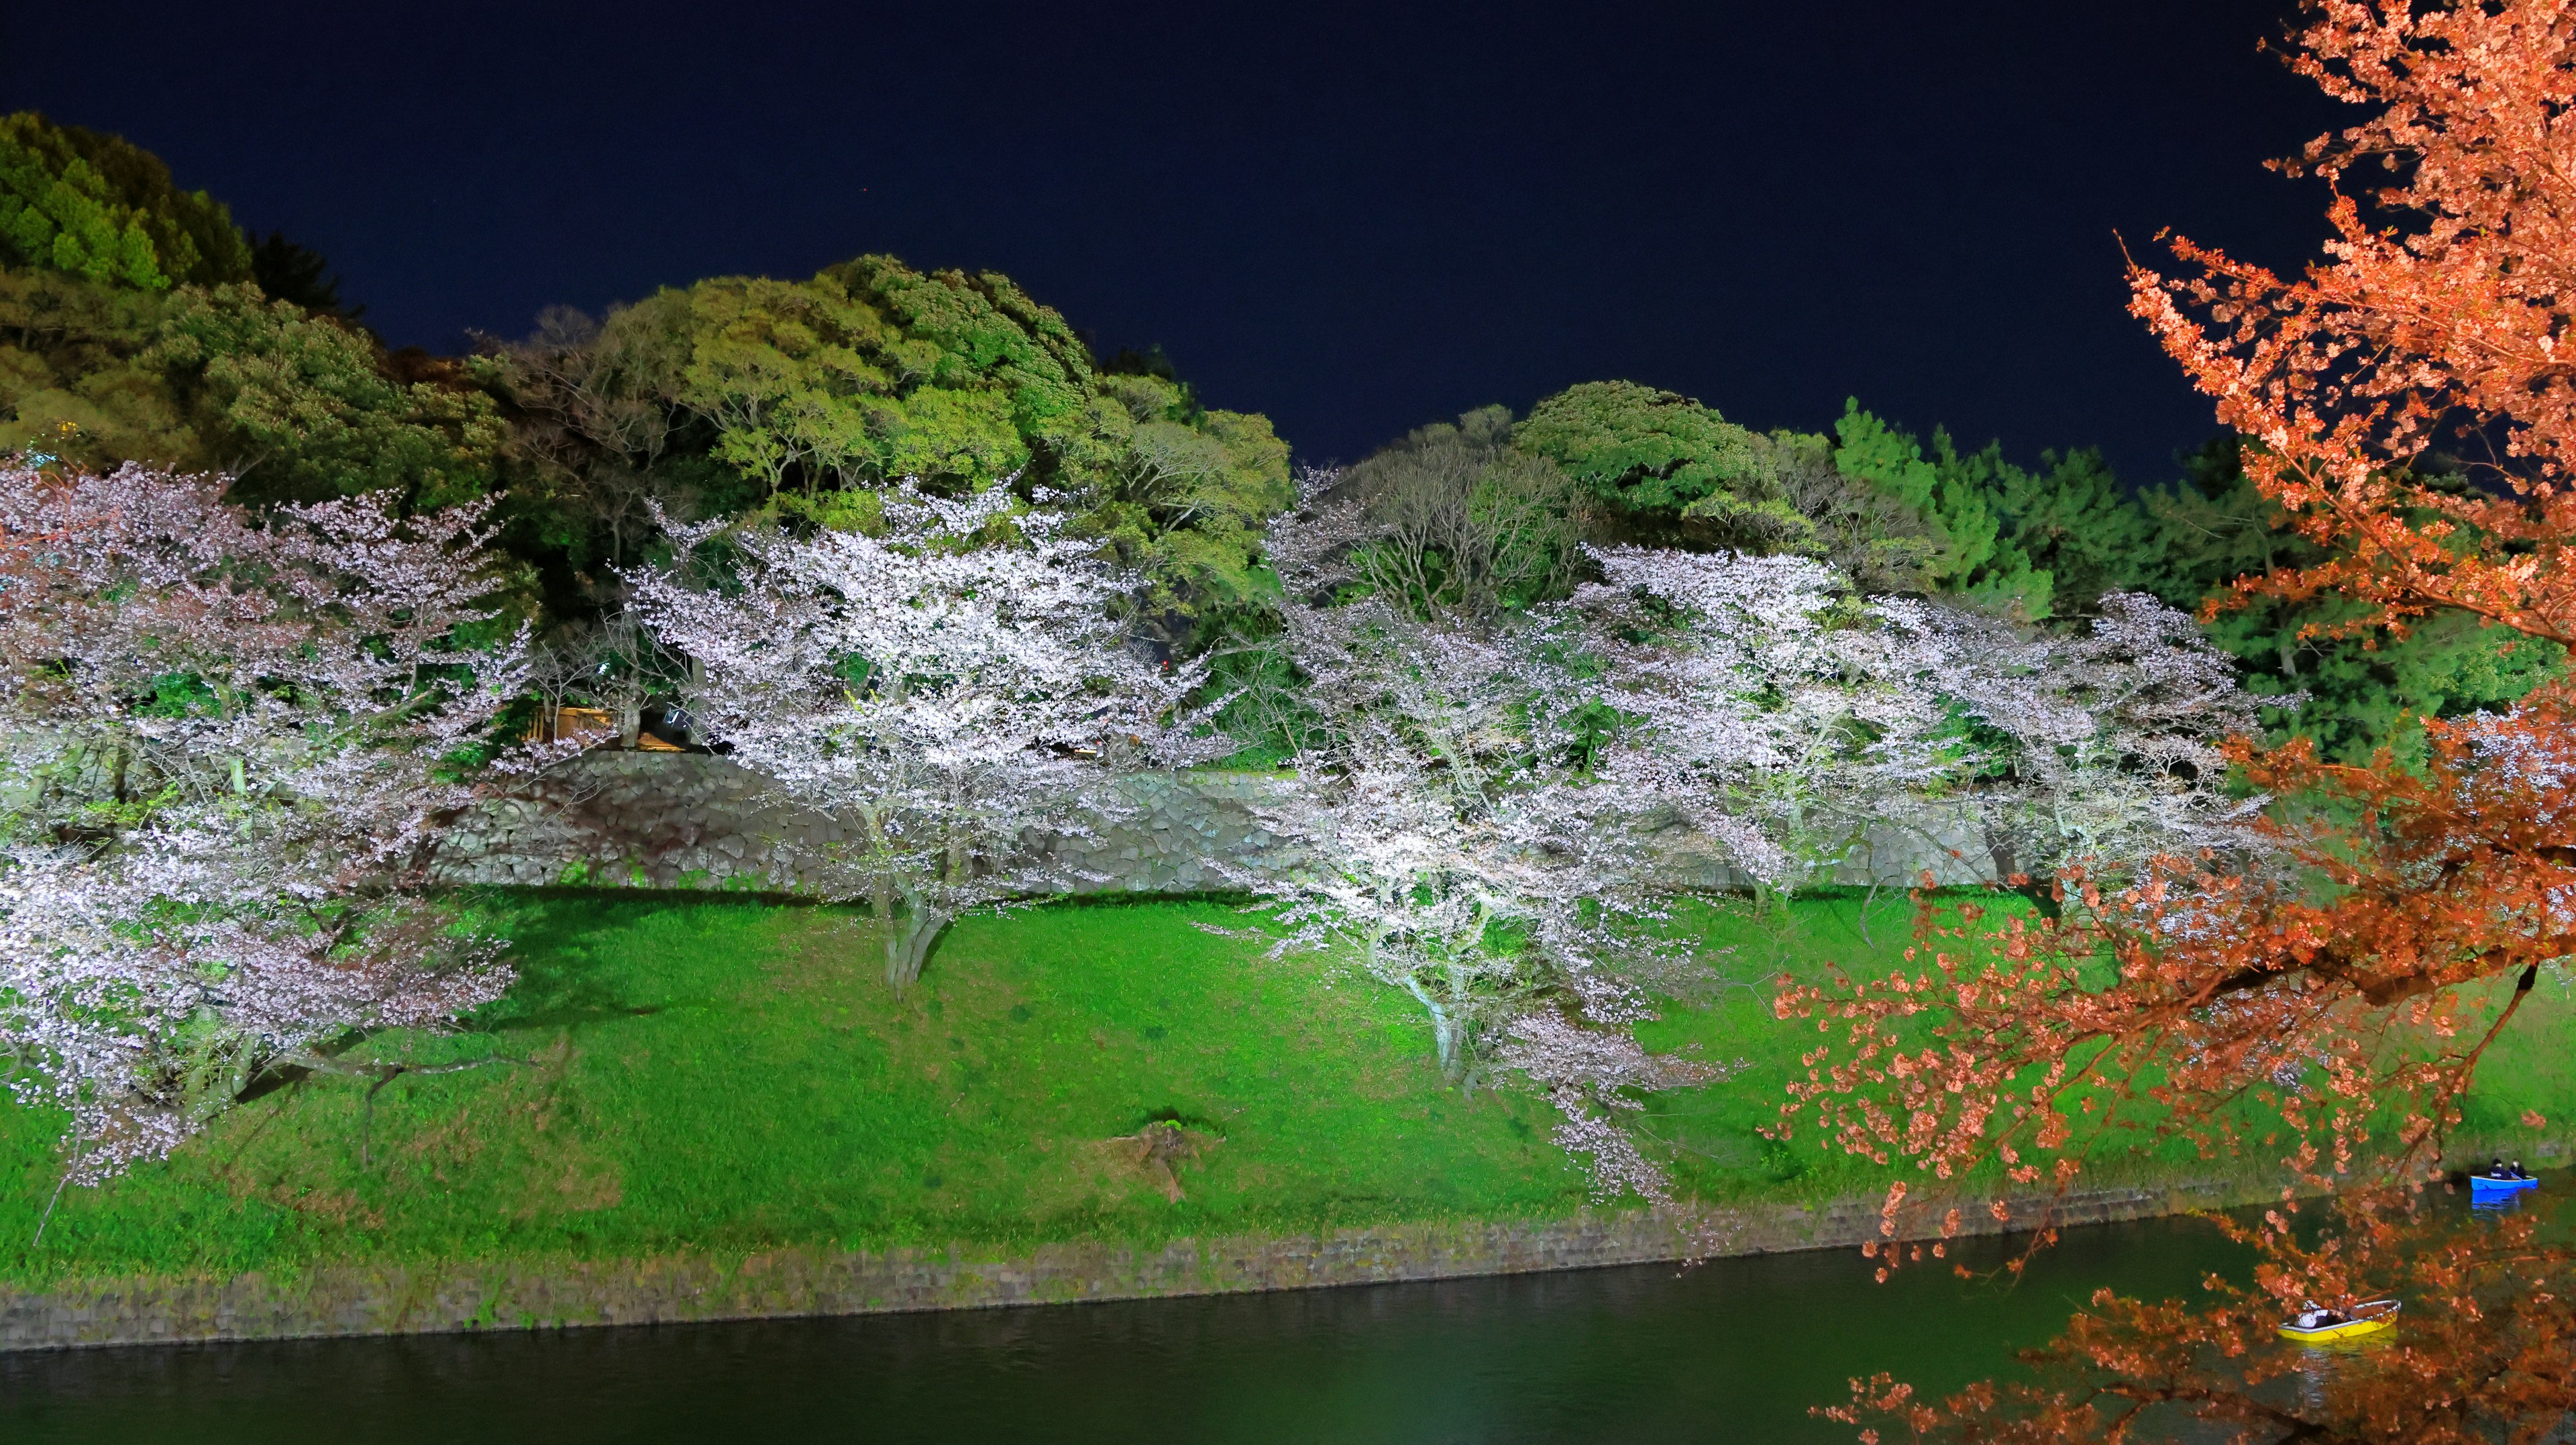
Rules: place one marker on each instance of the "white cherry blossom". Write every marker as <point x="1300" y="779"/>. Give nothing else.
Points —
<point x="234" y="743"/>
<point x="951" y="689"/>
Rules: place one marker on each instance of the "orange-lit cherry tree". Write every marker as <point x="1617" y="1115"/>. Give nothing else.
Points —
<point x="2336" y="987"/>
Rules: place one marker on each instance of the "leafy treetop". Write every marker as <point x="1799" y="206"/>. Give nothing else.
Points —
<point x="104" y="209"/>
<point x="813" y="397"/>
<point x="1660" y="456"/>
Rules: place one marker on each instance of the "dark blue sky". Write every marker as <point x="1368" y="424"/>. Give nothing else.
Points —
<point x="1353" y="218"/>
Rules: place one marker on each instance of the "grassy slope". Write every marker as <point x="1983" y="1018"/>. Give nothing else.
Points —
<point x="730" y="1076"/>
<point x="1717" y="1155"/>
<point x="725" y="1075"/>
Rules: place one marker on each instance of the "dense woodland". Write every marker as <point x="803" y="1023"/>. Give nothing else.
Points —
<point x="905" y="545"/>
<point x="139" y="323"/>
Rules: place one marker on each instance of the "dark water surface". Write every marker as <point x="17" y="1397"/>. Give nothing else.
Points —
<point x="1735" y="1350"/>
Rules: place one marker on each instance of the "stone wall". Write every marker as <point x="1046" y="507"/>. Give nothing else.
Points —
<point x="532" y="1294"/>
<point x="1946" y="840"/>
<point x="1191" y="830"/>
<point x="692" y="820"/>
<point x="644" y="820"/>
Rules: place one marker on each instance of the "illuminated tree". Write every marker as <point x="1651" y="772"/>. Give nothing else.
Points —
<point x="2352" y="990"/>
<point x="1785" y="720"/>
<point x="1478" y="789"/>
<point x="96" y="206"/>
<point x="2437" y="879"/>
<point x="1419" y="748"/>
<point x="951" y="691"/>
<point x="233" y="745"/>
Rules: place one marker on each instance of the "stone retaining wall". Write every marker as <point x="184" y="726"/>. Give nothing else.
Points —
<point x="692" y="820"/>
<point x="392" y="1299"/>
<point x="658" y="820"/>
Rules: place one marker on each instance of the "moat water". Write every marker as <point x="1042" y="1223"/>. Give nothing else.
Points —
<point x="1734" y="1350"/>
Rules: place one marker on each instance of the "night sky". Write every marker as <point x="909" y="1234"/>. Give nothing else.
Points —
<point x="1355" y="219"/>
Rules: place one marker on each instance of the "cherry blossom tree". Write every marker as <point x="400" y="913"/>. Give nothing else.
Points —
<point x="1782" y="718"/>
<point x="2350" y="993"/>
<point x="954" y="690"/>
<point x="1442" y="790"/>
<point x="1414" y="800"/>
<point x="233" y="745"/>
<point x="1399" y="774"/>
<point x="1773" y="715"/>
<point x="1591" y="1074"/>
<point x="2346" y="978"/>
<point x="1480" y="792"/>
<point x="2105" y="747"/>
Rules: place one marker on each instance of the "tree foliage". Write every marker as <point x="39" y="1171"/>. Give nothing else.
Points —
<point x="946" y="691"/>
<point x="809" y="398"/>
<point x="2353" y="986"/>
<point x="76" y="378"/>
<point x="100" y="208"/>
<point x="1499" y="802"/>
<point x="137" y="323"/>
<point x="298" y="405"/>
<point x="1461" y="521"/>
<point x="1959" y="517"/>
<point x="234" y="744"/>
<point x="1887" y="510"/>
<point x="303" y="407"/>
<point x="1897" y="513"/>
<point x="1659" y="454"/>
<point x="2359" y="690"/>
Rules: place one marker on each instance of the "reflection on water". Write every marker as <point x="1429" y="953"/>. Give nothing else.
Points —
<point x="2325" y="1362"/>
<point x="1736" y="1350"/>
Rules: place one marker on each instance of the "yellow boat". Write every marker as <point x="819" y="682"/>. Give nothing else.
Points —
<point x="2316" y="1326"/>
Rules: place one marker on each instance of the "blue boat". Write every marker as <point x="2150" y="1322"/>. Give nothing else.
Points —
<point x="2490" y="1186"/>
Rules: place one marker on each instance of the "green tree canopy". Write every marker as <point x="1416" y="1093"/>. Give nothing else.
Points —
<point x="106" y="210"/>
<point x="1660" y="460"/>
<point x="1963" y="524"/>
<point x="75" y="378"/>
<point x="302" y="407"/>
<point x="131" y="330"/>
<point x="2361" y="689"/>
<point x="2041" y="543"/>
<point x="2071" y="525"/>
<point x="298" y="406"/>
<point x="805" y="396"/>
<point x="1460" y="521"/>
<point x="870" y="372"/>
<point x="1660" y="465"/>
<point x="2047" y="542"/>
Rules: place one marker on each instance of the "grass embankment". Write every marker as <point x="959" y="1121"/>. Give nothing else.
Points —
<point x="727" y="1076"/>
<point x="1717" y="1155"/>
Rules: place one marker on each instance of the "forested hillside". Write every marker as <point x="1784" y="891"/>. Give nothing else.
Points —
<point x="139" y="322"/>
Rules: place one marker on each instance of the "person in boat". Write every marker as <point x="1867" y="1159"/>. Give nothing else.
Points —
<point x="2495" y="1168"/>
<point x="2518" y="1171"/>
<point x="2313" y="1318"/>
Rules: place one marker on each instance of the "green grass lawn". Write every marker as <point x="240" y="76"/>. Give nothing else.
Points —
<point x="1717" y="1155"/>
<point x="726" y="1075"/>
<point x="731" y="1076"/>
